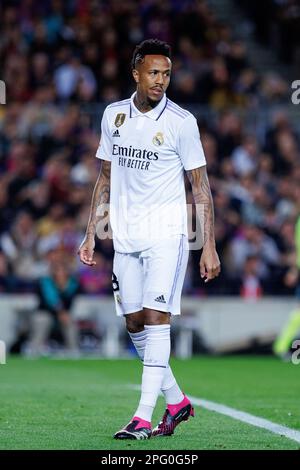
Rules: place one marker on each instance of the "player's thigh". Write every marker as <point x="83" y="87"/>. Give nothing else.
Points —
<point x="164" y="271"/>
<point x="127" y="283"/>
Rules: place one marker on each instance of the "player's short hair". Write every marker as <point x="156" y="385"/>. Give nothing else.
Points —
<point x="150" y="46"/>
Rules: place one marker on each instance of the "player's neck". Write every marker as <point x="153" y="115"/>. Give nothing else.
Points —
<point x="144" y="104"/>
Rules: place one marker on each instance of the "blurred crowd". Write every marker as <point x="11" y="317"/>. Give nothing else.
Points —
<point x="58" y="58"/>
<point x="276" y="24"/>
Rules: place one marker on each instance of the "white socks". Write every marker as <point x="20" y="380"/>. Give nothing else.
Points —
<point x="156" y="358"/>
<point x="139" y="341"/>
<point x="153" y="347"/>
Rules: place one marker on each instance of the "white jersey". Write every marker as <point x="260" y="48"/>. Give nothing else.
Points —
<point x="148" y="153"/>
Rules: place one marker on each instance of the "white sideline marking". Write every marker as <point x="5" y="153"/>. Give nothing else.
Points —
<point x="248" y="418"/>
<point x="278" y="429"/>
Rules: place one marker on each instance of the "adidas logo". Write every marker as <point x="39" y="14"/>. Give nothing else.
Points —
<point x="161" y="299"/>
<point x="116" y="133"/>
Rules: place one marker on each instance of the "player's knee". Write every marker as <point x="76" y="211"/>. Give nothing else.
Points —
<point x="154" y="317"/>
<point x="134" y="324"/>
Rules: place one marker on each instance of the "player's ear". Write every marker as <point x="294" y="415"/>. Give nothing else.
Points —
<point x="135" y="75"/>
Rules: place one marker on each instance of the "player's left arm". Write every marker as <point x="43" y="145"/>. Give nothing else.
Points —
<point x="210" y="266"/>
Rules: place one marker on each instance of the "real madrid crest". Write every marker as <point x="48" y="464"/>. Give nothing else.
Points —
<point x="158" y="139"/>
<point x="120" y="118"/>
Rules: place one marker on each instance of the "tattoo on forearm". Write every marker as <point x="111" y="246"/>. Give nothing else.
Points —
<point x="203" y="201"/>
<point x="100" y="196"/>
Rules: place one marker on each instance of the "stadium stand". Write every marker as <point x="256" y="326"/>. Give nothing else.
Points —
<point x="63" y="61"/>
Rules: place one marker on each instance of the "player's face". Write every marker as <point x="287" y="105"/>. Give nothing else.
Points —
<point x="153" y="77"/>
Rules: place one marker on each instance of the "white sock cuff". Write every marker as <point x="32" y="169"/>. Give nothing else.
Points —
<point x="158" y="332"/>
<point x="139" y="340"/>
<point x="155" y="327"/>
<point x="139" y="336"/>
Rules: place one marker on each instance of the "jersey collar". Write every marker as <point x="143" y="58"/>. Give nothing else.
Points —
<point x="154" y="113"/>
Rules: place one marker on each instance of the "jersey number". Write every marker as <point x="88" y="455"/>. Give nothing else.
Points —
<point x="115" y="282"/>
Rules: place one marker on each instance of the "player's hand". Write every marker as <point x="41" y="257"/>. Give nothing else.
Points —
<point x="210" y="266"/>
<point x="86" y="251"/>
<point x="64" y="318"/>
<point x="291" y="277"/>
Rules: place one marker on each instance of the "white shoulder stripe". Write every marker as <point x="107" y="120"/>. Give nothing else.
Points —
<point x="119" y="103"/>
<point x="174" y="111"/>
<point x="178" y="108"/>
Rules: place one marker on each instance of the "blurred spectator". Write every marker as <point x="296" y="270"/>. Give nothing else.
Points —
<point x="71" y="75"/>
<point x="251" y="288"/>
<point x="8" y="283"/>
<point x="21" y="169"/>
<point x="276" y="24"/>
<point x="252" y="241"/>
<point x="98" y="279"/>
<point x="52" y="222"/>
<point x="19" y="245"/>
<point x="244" y="157"/>
<point x="56" y="294"/>
<point x="36" y="199"/>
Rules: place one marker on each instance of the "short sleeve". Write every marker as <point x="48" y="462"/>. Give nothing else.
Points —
<point x="189" y="145"/>
<point x="104" y="149"/>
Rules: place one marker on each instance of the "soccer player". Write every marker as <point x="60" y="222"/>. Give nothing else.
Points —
<point x="283" y="342"/>
<point x="147" y="143"/>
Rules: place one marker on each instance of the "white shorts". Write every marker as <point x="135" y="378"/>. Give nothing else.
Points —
<point x="152" y="278"/>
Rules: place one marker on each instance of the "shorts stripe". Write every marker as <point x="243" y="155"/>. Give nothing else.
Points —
<point x="179" y="261"/>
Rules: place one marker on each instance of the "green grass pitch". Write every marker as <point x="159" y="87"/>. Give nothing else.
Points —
<point x="80" y="404"/>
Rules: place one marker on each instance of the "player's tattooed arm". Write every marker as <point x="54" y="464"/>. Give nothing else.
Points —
<point x="101" y="195"/>
<point x="204" y="203"/>
<point x="209" y="262"/>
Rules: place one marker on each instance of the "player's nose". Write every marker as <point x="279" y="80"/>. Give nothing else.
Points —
<point x="159" y="79"/>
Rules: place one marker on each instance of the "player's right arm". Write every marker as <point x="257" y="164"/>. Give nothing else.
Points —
<point x="100" y="196"/>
